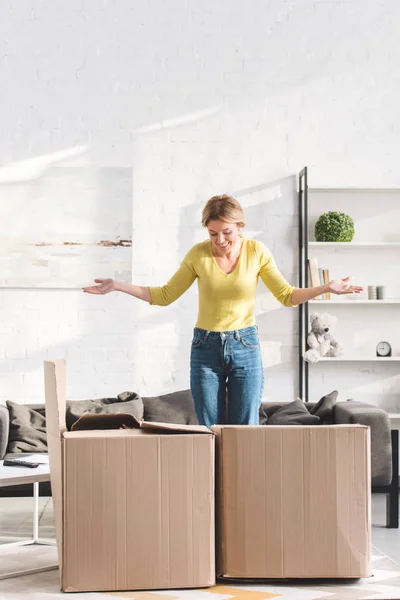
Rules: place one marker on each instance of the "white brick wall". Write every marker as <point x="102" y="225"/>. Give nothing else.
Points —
<point x="198" y="98"/>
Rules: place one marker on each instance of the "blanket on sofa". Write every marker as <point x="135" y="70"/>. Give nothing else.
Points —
<point x="28" y="426"/>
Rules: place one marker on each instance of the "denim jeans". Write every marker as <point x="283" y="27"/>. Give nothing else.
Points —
<point x="226" y="376"/>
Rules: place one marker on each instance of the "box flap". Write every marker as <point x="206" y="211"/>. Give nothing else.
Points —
<point x="90" y="421"/>
<point x="55" y="399"/>
<point x="174" y="427"/>
<point x="55" y="396"/>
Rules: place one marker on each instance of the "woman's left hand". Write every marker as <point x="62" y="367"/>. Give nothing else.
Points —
<point x="342" y="286"/>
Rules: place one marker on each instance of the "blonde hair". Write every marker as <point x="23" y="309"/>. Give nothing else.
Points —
<point x="223" y="208"/>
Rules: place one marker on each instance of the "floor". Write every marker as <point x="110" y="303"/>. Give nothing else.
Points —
<point x="16" y="523"/>
<point x="16" y="518"/>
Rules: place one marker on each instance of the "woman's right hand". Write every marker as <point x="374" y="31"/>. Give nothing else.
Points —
<point x="104" y="286"/>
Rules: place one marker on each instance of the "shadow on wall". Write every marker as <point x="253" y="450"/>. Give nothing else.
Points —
<point x="136" y="336"/>
<point x="160" y="348"/>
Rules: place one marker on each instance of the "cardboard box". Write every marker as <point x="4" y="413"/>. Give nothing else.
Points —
<point x="293" y="501"/>
<point x="134" y="508"/>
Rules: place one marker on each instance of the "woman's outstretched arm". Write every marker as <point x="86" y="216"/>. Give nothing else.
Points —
<point x="161" y="296"/>
<point x="104" y="286"/>
<point x="336" y="286"/>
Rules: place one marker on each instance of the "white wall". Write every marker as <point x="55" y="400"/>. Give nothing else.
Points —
<point x="198" y="98"/>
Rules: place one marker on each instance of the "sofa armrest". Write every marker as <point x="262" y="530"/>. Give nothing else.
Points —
<point x="377" y="419"/>
<point x="4" y="430"/>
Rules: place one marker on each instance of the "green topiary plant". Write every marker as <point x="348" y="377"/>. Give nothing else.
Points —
<point x="334" y="227"/>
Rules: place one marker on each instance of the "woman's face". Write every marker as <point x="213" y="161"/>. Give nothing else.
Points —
<point x="224" y="236"/>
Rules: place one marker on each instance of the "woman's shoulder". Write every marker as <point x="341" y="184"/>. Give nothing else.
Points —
<point x="202" y="249"/>
<point x="256" y="246"/>
<point x="203" y="246"/>
<point x="198" y="250"/>
<point x="258" y="250"/>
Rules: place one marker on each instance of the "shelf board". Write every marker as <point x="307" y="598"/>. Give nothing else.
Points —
<point x="353" y="302"/>
<point x="359" y="359"/>
<point x="353" y="244"/>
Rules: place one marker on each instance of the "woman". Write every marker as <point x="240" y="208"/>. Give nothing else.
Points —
<point x="225" y="360"/>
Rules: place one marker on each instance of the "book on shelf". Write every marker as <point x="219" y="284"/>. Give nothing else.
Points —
<point x="318" y="276"/>
<point x="313" y="275"/>
<point x="326" y="280"/>
<point x="321" y="281"/>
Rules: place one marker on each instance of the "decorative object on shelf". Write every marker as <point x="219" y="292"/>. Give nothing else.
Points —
<point x="334" y="227"/>
<point x="372" y="292"/>
<point x="380" y="292"/>
<point x="320" y="341"/>
<point x="383" y="349"/>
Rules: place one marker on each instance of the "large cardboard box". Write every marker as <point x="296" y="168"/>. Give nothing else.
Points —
<point x="134" y="508"/>
<point x="293" y="501"/>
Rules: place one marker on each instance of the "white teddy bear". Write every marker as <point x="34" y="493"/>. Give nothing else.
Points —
<point x="320" y="341"/>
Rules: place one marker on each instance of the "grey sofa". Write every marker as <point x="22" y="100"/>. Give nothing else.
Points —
<point x="178" y="408"/>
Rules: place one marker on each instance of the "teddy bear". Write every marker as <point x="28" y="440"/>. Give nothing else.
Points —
<point x="320" y="341"/>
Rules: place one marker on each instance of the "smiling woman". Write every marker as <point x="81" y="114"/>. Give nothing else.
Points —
<point x="226" y="371"/>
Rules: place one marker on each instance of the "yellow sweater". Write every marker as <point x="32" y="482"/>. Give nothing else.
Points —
<point x="226" y="302"/>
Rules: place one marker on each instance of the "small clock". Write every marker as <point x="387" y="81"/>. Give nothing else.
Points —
<point x="383" y="349"/>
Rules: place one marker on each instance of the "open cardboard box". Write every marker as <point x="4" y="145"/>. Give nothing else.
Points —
<point x="134" y="508"/>
<point x="293" y="501"/>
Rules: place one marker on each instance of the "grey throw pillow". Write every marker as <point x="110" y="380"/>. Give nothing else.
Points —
<point x="324" y="408"/>
<point x="262" y="415"/>
<point x="293" y="413"/>
<point x="27" y="429"/>
<point x="176" y="407"/>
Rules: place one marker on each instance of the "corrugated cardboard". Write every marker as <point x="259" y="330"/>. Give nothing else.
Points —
<point x="134" y="508"/>
<point x="293" y="501"/>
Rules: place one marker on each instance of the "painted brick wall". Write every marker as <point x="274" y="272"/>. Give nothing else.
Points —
<point x="197" y="98"/>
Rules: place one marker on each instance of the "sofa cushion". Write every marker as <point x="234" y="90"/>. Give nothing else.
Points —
<point x="262" y="415"/>
<point x="377" y="419"/>
<point x="4" y="430"/>
<point x="292" y="413"/>
<point x="176" y="407"/>
<point x="27" y="429"/>
<point x="324" y="408"/>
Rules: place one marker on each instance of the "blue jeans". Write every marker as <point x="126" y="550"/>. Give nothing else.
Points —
<point x="226" y="376"/>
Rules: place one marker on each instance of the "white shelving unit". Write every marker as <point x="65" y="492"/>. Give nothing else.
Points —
<point x="376" y="214"/>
